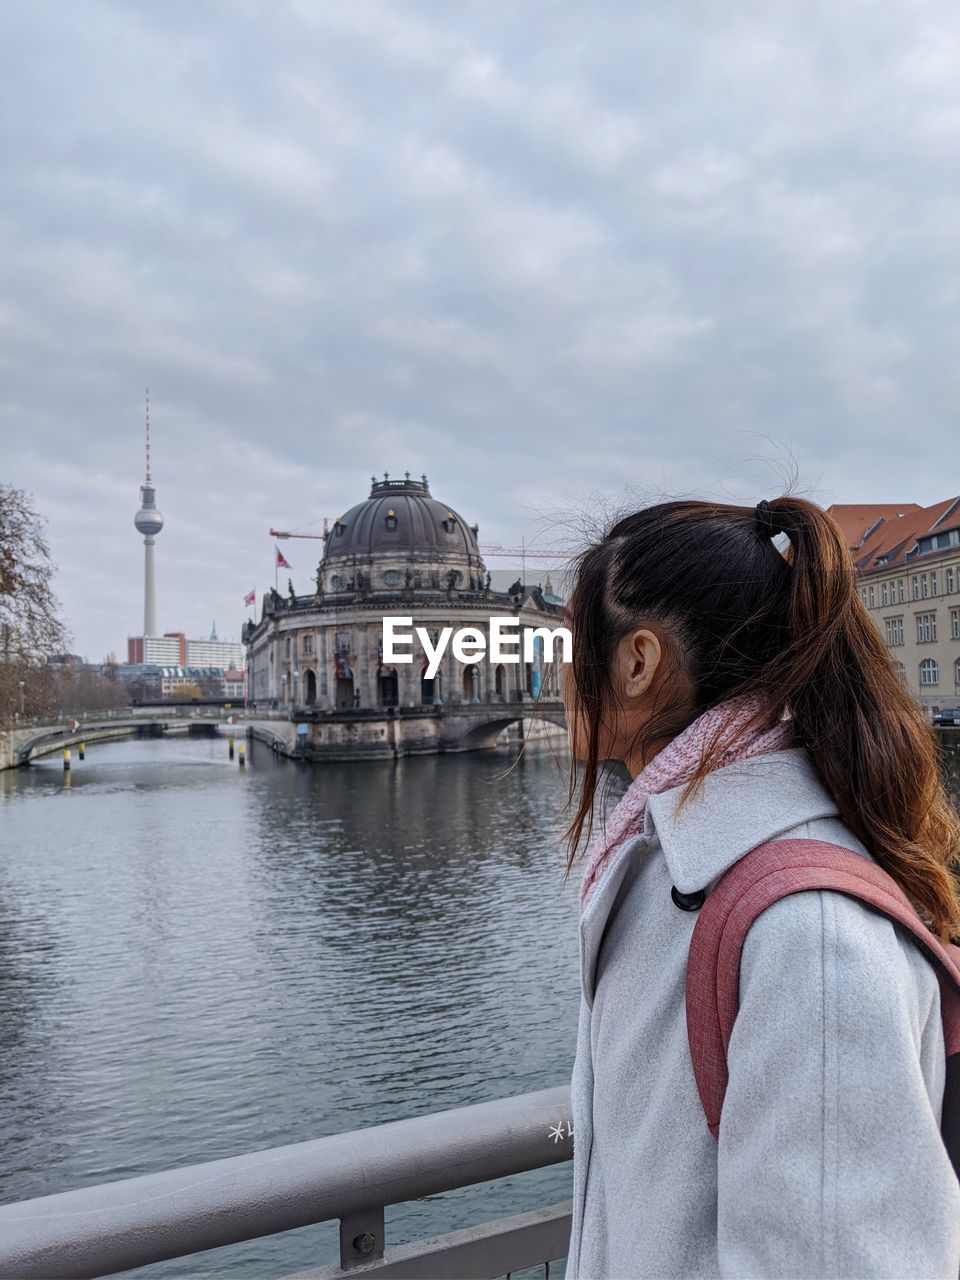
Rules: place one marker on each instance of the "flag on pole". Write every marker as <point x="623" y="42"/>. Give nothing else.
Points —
<point x="250" y="597"/>
<point x="282" y="562"/>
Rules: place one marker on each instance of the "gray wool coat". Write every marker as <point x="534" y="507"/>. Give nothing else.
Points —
<point x="829" y="1160"/>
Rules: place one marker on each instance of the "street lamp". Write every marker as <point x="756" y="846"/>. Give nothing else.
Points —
<point x="296" y="677"/>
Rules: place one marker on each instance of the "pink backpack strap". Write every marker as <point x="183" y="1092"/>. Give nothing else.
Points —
<point x="760" y="878"/>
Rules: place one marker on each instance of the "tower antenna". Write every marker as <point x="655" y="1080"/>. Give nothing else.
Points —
<point x="148" y="435"/>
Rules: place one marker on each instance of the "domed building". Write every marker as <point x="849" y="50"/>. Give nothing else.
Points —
<point x="319" y="656"/>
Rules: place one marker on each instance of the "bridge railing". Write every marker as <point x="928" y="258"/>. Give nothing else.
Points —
<point x="155" y="711"/>
<point x="351" y="1176"/>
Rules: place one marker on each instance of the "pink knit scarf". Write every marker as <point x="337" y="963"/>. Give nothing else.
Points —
<point x="676" y="764"/>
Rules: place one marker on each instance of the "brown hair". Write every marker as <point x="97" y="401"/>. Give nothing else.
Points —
<point x="736" y="616"/>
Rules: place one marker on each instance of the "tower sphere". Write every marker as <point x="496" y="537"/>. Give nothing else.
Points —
<point x="148" y="519"/>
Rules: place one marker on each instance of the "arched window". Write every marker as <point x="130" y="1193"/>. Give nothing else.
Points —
<point x="929" y="672"/>
<point x="900" y="671"/>
<point x="389" y="687"/>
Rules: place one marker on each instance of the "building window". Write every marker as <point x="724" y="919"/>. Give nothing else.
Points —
<point x="956" y="671"/>
<point x="916" y="587"/>
<point x="924" y="586"/>
<point x="926" y="628"/>
<point x="872" y="598"/>
<point x="929" y="672"/>
<point x="948" y="585"/>
<point x="955" y="624"/>
<point x="893" y="629"/>
<point x="391" y="519"/>
<point x="933" y="583"/>
<point x="900" y="671"/>
<point x="901" y="593"/>
<point x="287" y="647"/>
<point x="306" y="644"/>
<point x="885" y="594"/>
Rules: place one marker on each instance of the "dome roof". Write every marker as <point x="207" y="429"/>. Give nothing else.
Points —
<point x="399" y="517"/>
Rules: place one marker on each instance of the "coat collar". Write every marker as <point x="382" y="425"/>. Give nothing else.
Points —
<point x="740" y="806"/>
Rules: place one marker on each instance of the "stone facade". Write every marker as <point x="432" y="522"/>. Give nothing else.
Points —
<point x="916" y="605"/>
<point x="907" y="559"/>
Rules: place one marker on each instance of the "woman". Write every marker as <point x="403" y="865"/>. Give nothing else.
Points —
<point x="751" y="696"/>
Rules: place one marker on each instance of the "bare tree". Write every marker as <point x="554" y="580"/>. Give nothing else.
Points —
<point x="82" y="688"/>
<point x="31" y="631"/>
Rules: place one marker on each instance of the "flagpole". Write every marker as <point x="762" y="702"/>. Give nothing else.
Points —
<point x="276" y="567"/>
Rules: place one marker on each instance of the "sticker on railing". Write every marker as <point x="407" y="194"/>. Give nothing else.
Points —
<point x="562" y="1130"/>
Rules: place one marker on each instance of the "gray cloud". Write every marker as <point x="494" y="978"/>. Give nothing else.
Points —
<point x="540" y="251"/>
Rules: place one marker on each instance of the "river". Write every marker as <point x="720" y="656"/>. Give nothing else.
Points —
<point x="198" y="961"/>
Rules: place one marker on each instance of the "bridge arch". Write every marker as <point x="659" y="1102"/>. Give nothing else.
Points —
<point x="486" y="732"/>
<point x="486" y="735"/>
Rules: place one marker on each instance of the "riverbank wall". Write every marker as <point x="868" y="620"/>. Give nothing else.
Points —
<point x="362" y="735"/>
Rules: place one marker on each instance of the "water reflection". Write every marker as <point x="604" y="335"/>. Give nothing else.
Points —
<point x="204" y="962"/>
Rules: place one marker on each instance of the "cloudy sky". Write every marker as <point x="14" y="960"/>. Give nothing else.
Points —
<point x="543" y="251"/>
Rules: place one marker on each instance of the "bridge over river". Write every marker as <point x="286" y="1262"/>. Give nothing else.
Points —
<point x="303" y="733"/>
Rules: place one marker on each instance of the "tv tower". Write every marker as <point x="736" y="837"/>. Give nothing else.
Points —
<point x="149" y="521"/>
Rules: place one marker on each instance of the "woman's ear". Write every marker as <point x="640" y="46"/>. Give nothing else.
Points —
<point x="639" y="657"/>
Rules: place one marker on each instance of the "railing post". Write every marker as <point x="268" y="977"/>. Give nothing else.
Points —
<point x="361" y="1237"/>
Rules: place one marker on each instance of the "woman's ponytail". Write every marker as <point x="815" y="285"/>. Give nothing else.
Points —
<point x="868" y="737"/>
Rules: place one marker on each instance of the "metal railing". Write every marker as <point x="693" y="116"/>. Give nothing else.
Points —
<point x="59" y="720"/>
<point x="351" y="1176"/>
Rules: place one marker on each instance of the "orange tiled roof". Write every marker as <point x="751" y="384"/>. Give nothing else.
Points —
<point x="897" y="533"/>
<point x="856" y="518"/>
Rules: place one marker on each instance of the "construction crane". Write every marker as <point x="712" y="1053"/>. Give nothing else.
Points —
<point x="492" y="549"/>
<point x="486" y="548"/>
<point x="281" y="533"/>
<point x="533" y="551"/>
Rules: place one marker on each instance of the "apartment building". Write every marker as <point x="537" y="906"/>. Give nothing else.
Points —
<point x="908" y="564"/>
